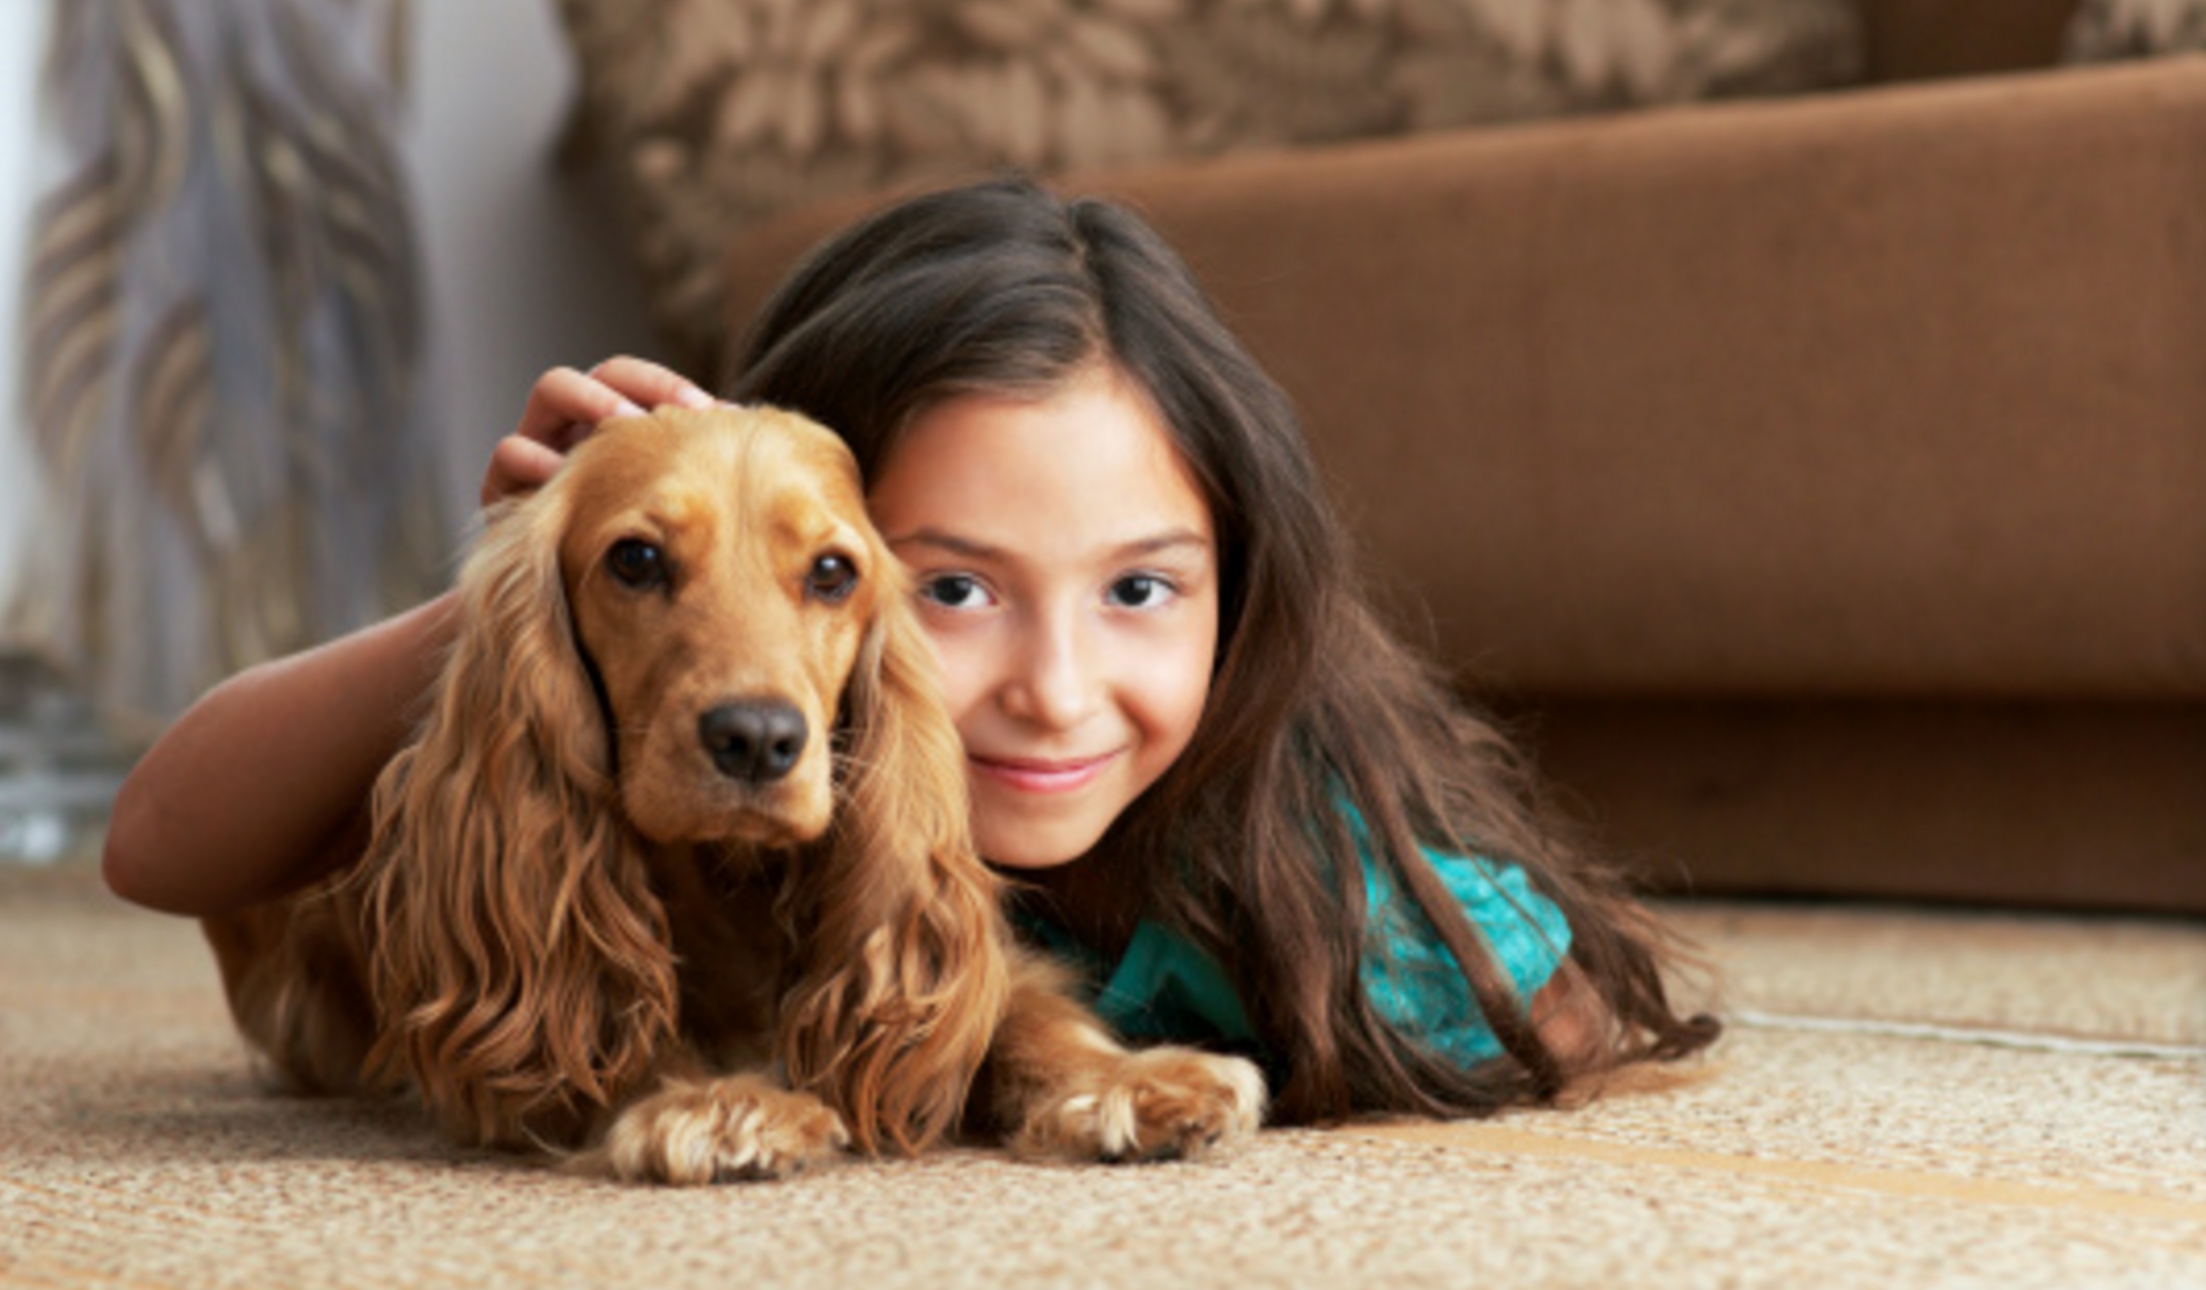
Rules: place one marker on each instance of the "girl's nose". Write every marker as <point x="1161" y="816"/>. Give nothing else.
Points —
<point x="1053" y="683"/>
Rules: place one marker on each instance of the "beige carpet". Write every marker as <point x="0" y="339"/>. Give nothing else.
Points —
<point x="1907" y="1098"/>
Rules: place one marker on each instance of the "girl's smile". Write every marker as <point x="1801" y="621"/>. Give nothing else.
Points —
<point x="1041" y="776"/>
<point x="1067" y="575"/>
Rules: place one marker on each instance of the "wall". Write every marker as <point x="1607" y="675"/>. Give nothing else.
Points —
<point x="524" y="271"/>
<point x="22" y="36"/>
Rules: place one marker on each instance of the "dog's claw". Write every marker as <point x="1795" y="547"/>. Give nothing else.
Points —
<point x="1156" y="1105"/>
<point x="736" y="1129"/>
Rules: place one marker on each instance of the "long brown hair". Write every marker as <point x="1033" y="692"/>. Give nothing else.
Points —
<point x="1243" y="845"/>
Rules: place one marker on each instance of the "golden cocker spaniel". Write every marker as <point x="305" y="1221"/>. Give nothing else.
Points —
<point x="677" y="874"/>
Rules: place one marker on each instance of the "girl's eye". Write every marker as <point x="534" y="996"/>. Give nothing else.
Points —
<point x="637" y="564"/>
<point x="1140" y="591"/>
<point x="954" y="591"/>
<point x="832" y="579"/>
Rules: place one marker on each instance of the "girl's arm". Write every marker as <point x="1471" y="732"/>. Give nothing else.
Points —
<point x="1572" y="1021"/>
<point x="263" y="785"/>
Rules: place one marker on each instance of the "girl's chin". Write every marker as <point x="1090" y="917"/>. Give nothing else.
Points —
<point x="1042" y="822"/>
<point x="1031" y="846"/>
<point x="1029" y="859"/>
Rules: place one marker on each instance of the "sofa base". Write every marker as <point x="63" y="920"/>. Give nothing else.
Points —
<point x="2082" y="806"/>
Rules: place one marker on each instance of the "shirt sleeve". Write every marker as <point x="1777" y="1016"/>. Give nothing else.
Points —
<point x="1413" y="981"/>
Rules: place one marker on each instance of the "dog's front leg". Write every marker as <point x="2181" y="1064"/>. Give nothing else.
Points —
<point x="1060" y="1085"/>
<point x="721" y="1129"/>
<point x="292" y="972"/>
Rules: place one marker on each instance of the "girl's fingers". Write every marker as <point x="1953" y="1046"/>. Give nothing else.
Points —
<point x="648" y="384"/>
<point x="565" y="405"/>
<point x="518" y="465"/>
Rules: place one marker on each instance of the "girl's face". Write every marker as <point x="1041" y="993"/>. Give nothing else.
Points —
<point x="1068" y="576"/>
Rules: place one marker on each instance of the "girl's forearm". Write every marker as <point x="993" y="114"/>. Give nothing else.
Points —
<point x="257" y="788"/>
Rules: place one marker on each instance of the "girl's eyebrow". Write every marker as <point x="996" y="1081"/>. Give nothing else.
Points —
<point x="945" y="541"/>
<point x="1170" y="539"/>
<point x="968" y="548"/>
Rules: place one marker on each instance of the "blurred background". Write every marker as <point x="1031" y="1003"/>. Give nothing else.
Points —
<point x="1790" y="415"/>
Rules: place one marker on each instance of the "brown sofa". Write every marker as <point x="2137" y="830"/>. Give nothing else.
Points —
<point x="1821" y="482"/>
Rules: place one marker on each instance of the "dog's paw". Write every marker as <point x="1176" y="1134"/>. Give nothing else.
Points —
<point x="1156" y="1104"/>
<point x="739" y="1127"/>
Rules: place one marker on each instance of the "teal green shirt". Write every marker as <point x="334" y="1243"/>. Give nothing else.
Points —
<point x="1164" y="988"/>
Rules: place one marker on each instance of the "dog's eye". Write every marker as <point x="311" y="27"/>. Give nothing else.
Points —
<point x="832" y="579"/>
<point x="637" y="564"/>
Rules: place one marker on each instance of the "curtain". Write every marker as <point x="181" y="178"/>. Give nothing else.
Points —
<point x="224" y="345"/>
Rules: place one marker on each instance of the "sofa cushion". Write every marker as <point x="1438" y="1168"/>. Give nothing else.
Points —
<point x="712" y="115"/>
<point x="1892" y="393"/>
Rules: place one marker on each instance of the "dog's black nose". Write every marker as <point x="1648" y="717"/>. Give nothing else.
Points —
<point x="756" y="740"/>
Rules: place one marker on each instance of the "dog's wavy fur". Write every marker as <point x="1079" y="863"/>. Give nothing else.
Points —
<point x="570" y="931"/>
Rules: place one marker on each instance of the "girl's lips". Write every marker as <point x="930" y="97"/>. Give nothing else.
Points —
<point x="1043" y="776"/>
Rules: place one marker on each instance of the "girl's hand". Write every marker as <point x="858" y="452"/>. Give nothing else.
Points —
<point x="566" y="405"/>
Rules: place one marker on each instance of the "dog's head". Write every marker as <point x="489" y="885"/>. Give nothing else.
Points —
<point x="723" y="578"/>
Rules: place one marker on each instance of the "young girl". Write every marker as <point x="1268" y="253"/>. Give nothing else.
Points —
<point x="1223" y="789"/>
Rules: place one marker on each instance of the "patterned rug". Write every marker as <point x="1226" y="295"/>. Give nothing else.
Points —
<point x="1906" y="1097"/>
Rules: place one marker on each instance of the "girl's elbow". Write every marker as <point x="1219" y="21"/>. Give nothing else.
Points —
<point x="1571" y="1018"/>
<point x="125" y="864"/>
<point x="134" y="865"/>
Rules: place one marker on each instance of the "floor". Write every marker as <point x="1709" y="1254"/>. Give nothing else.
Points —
<point x="1904" y="1097"/>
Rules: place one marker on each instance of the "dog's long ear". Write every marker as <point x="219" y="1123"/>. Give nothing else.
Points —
<point x="903" y="974"/>
<point x="519" y="960"/>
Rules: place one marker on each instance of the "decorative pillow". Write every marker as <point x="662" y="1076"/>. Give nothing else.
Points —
<point x="2103" y="30"/>
<point x="714" y="114"/>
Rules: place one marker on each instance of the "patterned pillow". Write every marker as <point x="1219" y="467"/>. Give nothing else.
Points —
<point x="714" y="114"/>
<point x="2102" y="30"/>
